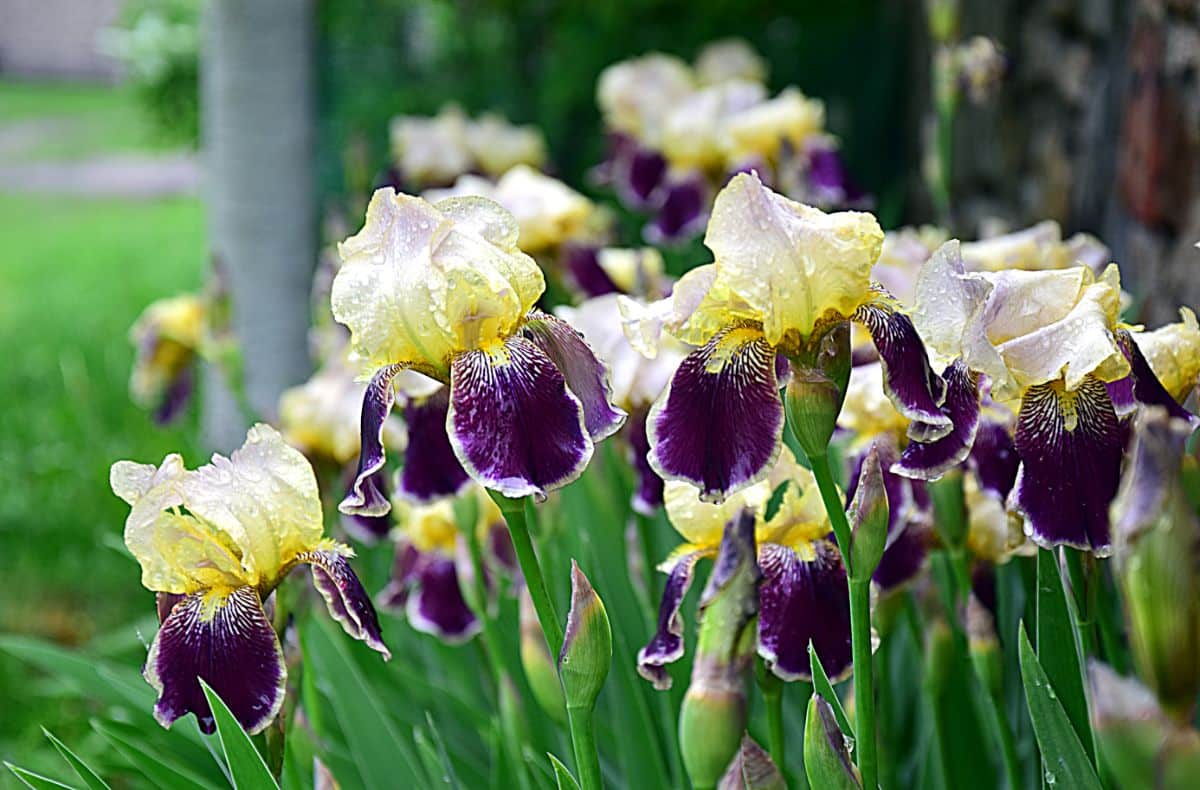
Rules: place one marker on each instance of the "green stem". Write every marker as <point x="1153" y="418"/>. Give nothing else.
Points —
<point x="531" y="569"/>
<point x="833" y="506"/>
<point x="1083" y="589"/>
<point x="583" y="742"/>
<point x="772" y="692"/>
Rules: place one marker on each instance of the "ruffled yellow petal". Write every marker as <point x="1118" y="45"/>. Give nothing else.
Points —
<point x="547" y="211"/>
<point x="431" y="150"/>
<point x="635" y="95"/>
<point x="702" y="523"/>
<point x="694" y="130"/>
<point x="497" y="145"/>
<point x="793" y="264"/>
<point x="429" y="527"/>
<point x="761" y="130"/>
<point x="729" y="59"/>
<point x="634" y="271"/>
<point x="868" y="411"/>
<point x="1173" y="352"/>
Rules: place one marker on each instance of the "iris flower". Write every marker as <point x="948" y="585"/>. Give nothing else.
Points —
<point x="1173" y="353"/>
<point x="1037" y="247"/>
<point x="1048" y="342"/>
<point x="444" y="289"/>
<point x="803" y="596"/>
<point x="785" y="281"/>
<point x="214" y="543"/>
<point x="595" y="271"/>
<point x="168" y="336"/>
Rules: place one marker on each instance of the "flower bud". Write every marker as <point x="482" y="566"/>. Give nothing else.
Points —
<point x="539" y="667"/>
<point x="826" y="758"/>
<point x="1157" y="552"/>
<point x="868" y="520"/>
<point x="752" y="769"/>
<point x="586" y="654"/>
<point x="713" y="716"/>
<point x="814" y="396"/>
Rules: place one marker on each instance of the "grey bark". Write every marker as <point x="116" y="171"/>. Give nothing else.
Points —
<point x="257" y="109"/>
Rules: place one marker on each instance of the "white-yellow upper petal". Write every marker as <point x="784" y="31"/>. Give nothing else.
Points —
<point x="1173" y="352"/>
<point x="635" y="95"/>
<point x="729" y="59"/>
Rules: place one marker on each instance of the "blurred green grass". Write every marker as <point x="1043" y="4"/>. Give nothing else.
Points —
<point x="75" y="273"/>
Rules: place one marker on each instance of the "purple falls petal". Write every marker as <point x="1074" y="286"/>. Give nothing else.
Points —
<point x="829" y="182"/>
<point x="581" y="263"/>
<point x="648" y="489"/>
<point x="908" y="379"/>
<point x="369" y="529"/>
<point x="640" y="173"/>
<point x="364" y="497"/>
<point x="994" y="458"/>
<point x="431" y="470"/>
<point x="348" y="602"/>
<point x="802" y="601"/>
<point x="176" y="398"/>
<point x="929" y="460"/>
<point x="1147" y="389"/>
<point x="1070" y="445"/>
<point x="394" y="597"/>
<point x="230" y="645"/>
<point x="666" y="646"/>
<point x="437" y="606"/>
<point x="513" y="423"/>
<point x="719" y="423"/>
<point x="682" y="213"/>
<point x="585" y="374"/>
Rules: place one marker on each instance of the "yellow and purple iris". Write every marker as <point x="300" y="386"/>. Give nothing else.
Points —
<point x="169" y="337"/>
<point x="444" y="289"/>
<point x="214" y="543"/>
<point x="785" y="280"/>
<point x="804" y="594"/>
<point x="1051" y="346"/>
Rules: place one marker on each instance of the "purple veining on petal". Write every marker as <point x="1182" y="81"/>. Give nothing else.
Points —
<point x="431" y="470"/>
<point x="682" y="213"/>
<point x="364" y="497"/>
<point x="648" y="489"/>
<point x="909" y="381"/>
<point x="994" y="457"/>
<point x="581" y="262"/>
<point x="513" y="423"/>
<point x="802" y="601"/>
<point x="437" y="605"/>
<point x="177" y="396"/>
<point x="229" y="643"/>
<point x="666" y="646"/>
<point x="929" y="460"/>
<point x="348" y="602"/>
<point x="719" y="423"/>
<point x="585" y="374"/>
<point x="394" y="596"/>
<point x="1068" y="476"/>
<point x="1147" y="389"/>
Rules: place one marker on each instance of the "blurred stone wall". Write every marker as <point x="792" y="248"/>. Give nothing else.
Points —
<point x="1097" y="127"/>
<point x="55" y="38"/>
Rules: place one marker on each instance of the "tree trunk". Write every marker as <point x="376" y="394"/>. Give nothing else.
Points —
<point x="258" y="128"/>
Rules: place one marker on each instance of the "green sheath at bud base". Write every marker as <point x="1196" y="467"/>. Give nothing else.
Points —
<point x="814" y="396"/>
<point x="826" y="759"/>
<point x="538" y="664"/>
<point x="713" y="716"/>
<point x="586" y="654"/>
<point x="868" y="516"/>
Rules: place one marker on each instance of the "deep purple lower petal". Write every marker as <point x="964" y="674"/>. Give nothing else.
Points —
<point x="431" y="470"/>
<point x="513" y="423"/>
<point x="648" y="488"/>
<point x="405" y="564"/>
<point x="929" y="460"/>
<point x="177" y="396"/>
<point x="437" y="605"/>
<point x="1147" y="389"/>
<point x="1068" y="476"/>
<point x="585" y="374"/>
<point x="230" y="644"/>
<point x="719" y="423"/>
<point x="683" y="211"/>
<point x="994" y="457"/>
<point x="369" y="529"/>
<point x="666" y="646"/>
<point x="802" y="601"/>
<point x="581" y="262"/>
<point x="348" y="602"/>
<point x="640" y="173"/>
<point x="908" y="379"/>
<point x="364" y="497"/>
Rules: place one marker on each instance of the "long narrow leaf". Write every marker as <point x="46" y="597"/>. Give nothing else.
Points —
<point x="246" y="765"/>
<point x="30" y="779"/>
<point x="562" y="775"/>
<point x="822" y="686"/>
<point x="156" y="767"/>
<point x="89" y="777"/>
<point x="1057" y="649"/>
<point x="1063" y="755"/>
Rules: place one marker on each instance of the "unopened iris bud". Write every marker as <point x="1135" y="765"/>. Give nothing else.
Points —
<point x="713" y="716"/>
<point x="752" y="769"/>
<point x="814" y="396"/>
<point x="868" y="520"/>
<point x="826" y="758"/>
<point x="1158" y="562"/>
<point x="586" y="654"/>
<point x="538" y="664"/>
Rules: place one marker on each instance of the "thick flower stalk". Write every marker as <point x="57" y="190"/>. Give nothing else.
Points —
<point x="214" y="543"/>
<point x="444" y="289"/>
<point x="785" y="281"/>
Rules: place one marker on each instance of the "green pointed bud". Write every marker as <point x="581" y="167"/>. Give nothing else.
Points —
<point x="752" y="769"/>
<point x="1157" y="548"/>
<point x="814" y="396"/>
<point x="712" y="718"/>
<point x="586" y="654"/>
<point x="826" y="758"/>
<point x="540" y="671"/>
<point x="868" y="517"/>
<point x="983" y="646"/>
<point x="1141" y="745"/>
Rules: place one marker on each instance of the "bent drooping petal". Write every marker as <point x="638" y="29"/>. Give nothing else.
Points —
<point x="436" y="605"/>
<point x="431" y="470"/>
<point x="719" y="423"/>
<point x="1146" y="386"/>
<point x="348" y="602"/>
<point x="802" y="601"/>
<point x="584" y="373"/>
<point x="666" y="646"/>
<point x="1070" y="443"/>
<point x="226" y="641"/>
<point x="929" y="460"/>
<point x="364" y="497"/>
<point x="513" y="423"/>
<point x="648" y="489"/>
<point x="369" y="529"/>
<point x="909" y="381"/>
